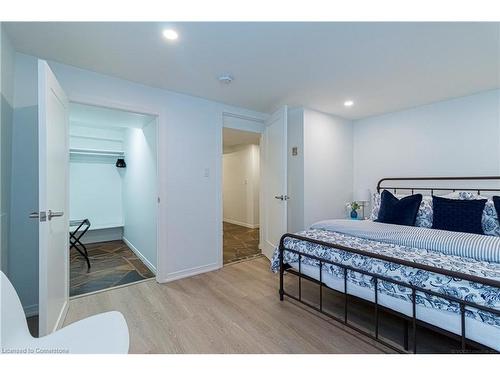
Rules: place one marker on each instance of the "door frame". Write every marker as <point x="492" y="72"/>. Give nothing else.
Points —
<point x="97" y="101"/>
<point x="259" y="129"/>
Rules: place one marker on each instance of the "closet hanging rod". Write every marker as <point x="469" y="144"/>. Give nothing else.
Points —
<point x="92" y="152"/>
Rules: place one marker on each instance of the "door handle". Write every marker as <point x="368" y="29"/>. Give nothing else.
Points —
<point x="282" y="197"/>
<point x="42" y="215"/>
<point x="52" y="214"/>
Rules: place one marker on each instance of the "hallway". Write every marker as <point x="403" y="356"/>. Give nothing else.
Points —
<point x="240" y="243"/>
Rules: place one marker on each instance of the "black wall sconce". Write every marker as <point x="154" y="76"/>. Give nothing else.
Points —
<point x="120" y="163"/>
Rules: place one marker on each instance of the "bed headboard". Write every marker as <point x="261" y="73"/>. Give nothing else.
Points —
<point x="477" y="184"/>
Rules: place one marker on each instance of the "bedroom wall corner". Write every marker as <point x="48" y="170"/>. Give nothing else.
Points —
<point x="455" y="137"/>
<point x="320" y="176"/>
<point x="328" y="166"/>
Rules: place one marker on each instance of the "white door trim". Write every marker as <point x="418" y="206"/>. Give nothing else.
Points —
<point x="160" y="169"/>
<point x="258" y="129"/>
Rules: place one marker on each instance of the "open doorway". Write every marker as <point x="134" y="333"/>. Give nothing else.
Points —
<point x="112" y="198"/>
<point x="240" y="191"/>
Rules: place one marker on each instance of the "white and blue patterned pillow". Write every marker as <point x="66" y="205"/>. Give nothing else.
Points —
<point x="489" y="221"/>
<point x="465" y="195"/>
<point x="375" y="206"/>
<point x="491" y="225"/>
<point x="424" y="215"/>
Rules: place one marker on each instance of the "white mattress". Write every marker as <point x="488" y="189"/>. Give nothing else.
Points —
<point x="475" y="330"/>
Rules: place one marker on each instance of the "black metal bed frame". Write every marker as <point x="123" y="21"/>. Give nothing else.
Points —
<point x="285" y="268"/>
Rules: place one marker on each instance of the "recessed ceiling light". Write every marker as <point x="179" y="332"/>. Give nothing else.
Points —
<point x="170" y="34"/>
<point x="348" y="103"/>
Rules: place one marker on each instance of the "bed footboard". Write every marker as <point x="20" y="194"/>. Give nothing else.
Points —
<point x="411" y="323"/>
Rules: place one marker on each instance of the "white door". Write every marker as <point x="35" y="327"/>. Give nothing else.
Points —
<point x="274" y="187"/>
<point x="53" y="154"/>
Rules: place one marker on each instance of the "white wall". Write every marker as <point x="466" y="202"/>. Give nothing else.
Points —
<point x="328" y="166"/>
<point x="241" y="176"/>
<point x="140" y="192"/>
<point x="320" y="176"/>
<point x="95" y="182"/>
<point x="190" y="145"/>
<point x="458" y="137"/>
<point x="245" y="123"/>
<point x="295" y="165"/>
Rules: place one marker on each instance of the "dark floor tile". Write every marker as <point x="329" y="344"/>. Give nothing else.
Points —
<point x="239" y="243"/>
<point x="130" y="277"/>
<point x="112" y="264"/>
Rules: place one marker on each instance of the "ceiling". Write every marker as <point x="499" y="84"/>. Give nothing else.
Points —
<point x="234" y="137"/>
<point x="89" y="115"/>
<point x="382" y="67"/>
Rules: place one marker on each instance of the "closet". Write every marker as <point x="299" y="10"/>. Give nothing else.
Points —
<point x="113" y="192"/>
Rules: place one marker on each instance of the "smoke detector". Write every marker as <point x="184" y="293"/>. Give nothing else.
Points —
<point x="226" y="79"/>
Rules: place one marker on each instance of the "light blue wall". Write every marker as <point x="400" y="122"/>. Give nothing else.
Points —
<point x="6" y="172"/>
<point x="23" y="258"/>
<point x="23" y="250"/>
<point x="6" y="123"/>
<point x="140" y="192"/>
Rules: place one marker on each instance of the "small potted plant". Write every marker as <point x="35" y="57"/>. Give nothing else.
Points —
<point x="355" y="206"/>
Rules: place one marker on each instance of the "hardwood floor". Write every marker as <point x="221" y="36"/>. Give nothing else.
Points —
<point x="240" y="243"/>
<point x="112" y="264"/>
<point x="233" y="310"/>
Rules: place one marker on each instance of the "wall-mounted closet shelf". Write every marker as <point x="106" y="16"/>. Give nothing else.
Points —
<point x="103" y="226"/>
<point x="91" y="152"/>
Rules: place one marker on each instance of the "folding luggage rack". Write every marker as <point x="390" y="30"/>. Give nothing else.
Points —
<point x="82" y="226"/>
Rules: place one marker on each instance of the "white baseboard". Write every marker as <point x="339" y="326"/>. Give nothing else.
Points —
<point x="62" y="317"/>
<point x="102" y="235"/>
<point x="240" y="223"/>
<point x="148" y="264"/>
<point x="190" y="272"/>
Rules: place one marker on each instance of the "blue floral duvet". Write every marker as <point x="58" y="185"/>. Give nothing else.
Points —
<point x="468" y="291"/>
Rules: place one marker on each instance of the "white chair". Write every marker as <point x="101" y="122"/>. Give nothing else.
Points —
<point x="105" y="333"/>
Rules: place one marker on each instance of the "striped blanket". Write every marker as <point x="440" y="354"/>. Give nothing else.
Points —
<point x="468" y="245"/>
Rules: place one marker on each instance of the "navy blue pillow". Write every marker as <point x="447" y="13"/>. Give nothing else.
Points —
<point x="398" y="211"/>
<point x="496" y="202"/>
<point x="458" y="215"/>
